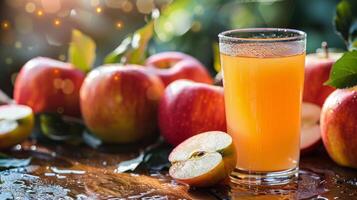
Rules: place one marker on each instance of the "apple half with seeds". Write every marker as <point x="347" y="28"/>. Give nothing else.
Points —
<point x="204" y="159"/>
<point x="310" y="127"/>
<point x="16" y="123"/>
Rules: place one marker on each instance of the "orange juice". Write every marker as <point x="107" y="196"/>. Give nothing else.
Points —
<point x="263" y="103"/>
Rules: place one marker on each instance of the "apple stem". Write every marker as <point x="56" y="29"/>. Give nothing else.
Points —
<point x="324" y="47"/>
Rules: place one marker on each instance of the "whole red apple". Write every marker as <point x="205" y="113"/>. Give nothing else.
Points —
<point x="317" y="72"/>
<point x="171" y="66"/>
<point x="189" y="108"/>
<point x="119" y="103"/>
<point x="339" y="126"/>
<point x="48" y="85"/>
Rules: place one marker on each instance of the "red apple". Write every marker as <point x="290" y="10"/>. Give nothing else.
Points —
<point x="317" y="72"/>
<point x="119" y="103"/>
<point x="339" y="126"/>
<point x="310" y="129"/>
<point x="188" y="108"/>
<point x="171" y="66"/>
<point x="48" y="85"/>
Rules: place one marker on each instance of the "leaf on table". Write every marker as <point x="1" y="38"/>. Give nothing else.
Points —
<point x="8" y="162"/>
<point x="157" y="158"/>
<point x="130" y="165"/>
<point x="346" y="22"/>
<point x="154" y="158"/>
<point x="61" y="128"/>
<point x="4" y="98"/>
<point x="133" y="49"/>
<point x="344" y="71"/>
<point x="91" y="140"/>
<point x="81" y="51"/>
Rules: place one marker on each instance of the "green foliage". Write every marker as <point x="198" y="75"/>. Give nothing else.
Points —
<point x="153" y="158"/>
<point x="175" y="20"/>
<point x="7" y="162"/>
<point x="61" y="128"/>
<point x="344" y="71"/>
<point x="133" y="48"/>
<point x="346" y="22"/>
<point x="81" y="51"/>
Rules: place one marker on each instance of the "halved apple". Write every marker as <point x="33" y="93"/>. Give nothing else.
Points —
<point x="310" y="128"/>
<point x="204" y="159"/>
<point x="16" y="123"/>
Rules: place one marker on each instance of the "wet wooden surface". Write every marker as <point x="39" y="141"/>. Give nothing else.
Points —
<point x="72" y="172"/>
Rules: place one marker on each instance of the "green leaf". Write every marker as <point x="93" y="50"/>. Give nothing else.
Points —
<point x="8" y="162"/>
<point x="133" y="48"/>
<point x="153" y="158"/>
<point x="156" y="159"/>
<point x="81" y="51"/>
<point x="216" y="57"/>
<point x="176" y="19"/>
<point x="61" y="128"/>
<point x="346" y="22"/>
<point x="344" y="71"/>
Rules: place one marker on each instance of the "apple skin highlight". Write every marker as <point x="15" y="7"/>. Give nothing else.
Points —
<point x="119" y="103"/>
<point x="48" y="85"/>
<point x="317" y="72"/>
<point x="339" y="126"/>
<point x="188" y="108"/>
<point x="172" y="65"/>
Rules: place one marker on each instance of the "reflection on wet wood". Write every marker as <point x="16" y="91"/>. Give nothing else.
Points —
<point x="72" y="172"/>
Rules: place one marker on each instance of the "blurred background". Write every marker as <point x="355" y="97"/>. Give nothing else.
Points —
<point x="31" y="28"/>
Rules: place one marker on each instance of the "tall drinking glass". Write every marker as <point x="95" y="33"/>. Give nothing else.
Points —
<point x="263" y="75"/>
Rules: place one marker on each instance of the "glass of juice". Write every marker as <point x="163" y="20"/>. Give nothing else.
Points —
<point x="263" y="76"/>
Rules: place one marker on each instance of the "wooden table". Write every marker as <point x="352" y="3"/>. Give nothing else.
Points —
<point x="60" y="171"/>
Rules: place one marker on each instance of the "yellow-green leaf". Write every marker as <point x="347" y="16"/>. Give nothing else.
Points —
<point x="81" y="51"/>
<point x="216" y="58"/>
<point x="133" y="48"/>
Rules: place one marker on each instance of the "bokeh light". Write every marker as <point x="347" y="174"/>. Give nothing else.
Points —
<point x="30" y="7"/>
<point x="57" y="22"/>
<point x="8" y="61"/>
<point x="62" y="57"/>
<point x="114" y="3"/>
<point x="119" y="24"/>
<point x="145" y="6"/>
<point x="127" y="6"/>
<point x="98" y="10"/>
<point x="5" y="25"/>
<point x="18" y="45"/>
<point x="30" y="28"/>
<point x="39" y="13"/>
<point x="196" y="26"/>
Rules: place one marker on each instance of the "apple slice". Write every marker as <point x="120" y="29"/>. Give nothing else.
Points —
<point x="310" y="128"/>
<point x="204" y="159"/>
<point x="16" y="123"/>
